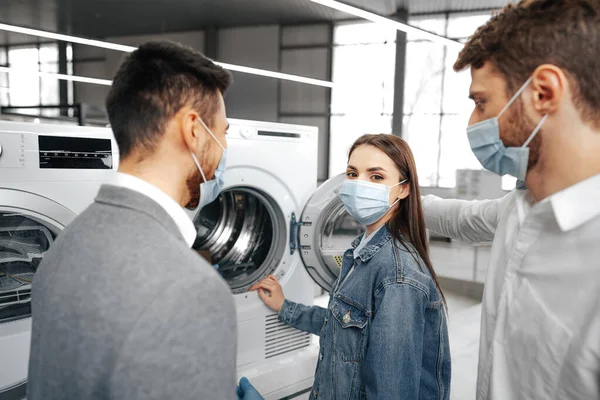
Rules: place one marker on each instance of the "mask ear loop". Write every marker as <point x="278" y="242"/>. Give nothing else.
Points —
<point x="397" y="200"/>
<point x="516" y="95"/>
<point x="210" y="133"/>
<point x="535" y="131"/>
<point x="199" y="167"/>
<point x="194" y="156"/>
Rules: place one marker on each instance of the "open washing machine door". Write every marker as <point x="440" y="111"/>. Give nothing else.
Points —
<point x="29" y="224"/>
<point x="243" y="233"/>
<point x="324" y="232"/>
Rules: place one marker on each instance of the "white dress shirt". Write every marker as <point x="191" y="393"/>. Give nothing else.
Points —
<point x="180" y="217"/>
<point x="540" y="330"/>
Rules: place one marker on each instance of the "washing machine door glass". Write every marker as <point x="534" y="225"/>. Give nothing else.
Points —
<point x="325" y="232"/>
<point x="23" y="243"/>
<point x="29" y="225"/>
<point x="243" y="233"/>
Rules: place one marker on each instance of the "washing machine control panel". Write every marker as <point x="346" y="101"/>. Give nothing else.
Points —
<point x="12" y="150"/>
<point x="63" y="152"/>
<point x="250" y="132"/>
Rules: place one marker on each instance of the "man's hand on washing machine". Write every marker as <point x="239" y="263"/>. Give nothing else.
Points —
<point x="270" y="292"/>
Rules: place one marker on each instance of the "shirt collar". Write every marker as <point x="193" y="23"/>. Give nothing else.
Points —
<point x="377" y="241"/>
<point x="364" y="241"/>
<point x="577" y="204"/>
<point x="180" y="217"/>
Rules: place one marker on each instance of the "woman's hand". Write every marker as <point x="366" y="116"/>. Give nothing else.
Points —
<point x="274" y="298"/>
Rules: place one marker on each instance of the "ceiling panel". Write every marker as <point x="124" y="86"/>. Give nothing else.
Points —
<point x="105" y="18"/>
<point x="436" y="6"/>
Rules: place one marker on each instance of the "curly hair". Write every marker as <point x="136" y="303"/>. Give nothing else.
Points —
<point x="523" y="36"/>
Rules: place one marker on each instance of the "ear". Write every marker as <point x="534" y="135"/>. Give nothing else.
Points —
<point x="549" y="85"/>
<point x="190" y="127"/>
<point x="404" y="191"/>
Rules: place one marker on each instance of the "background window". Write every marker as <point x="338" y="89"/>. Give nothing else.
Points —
<point x="364" y="68"/>
<point x="436" y="104"/>
<point x="27" y="90"/>
<point x="24" y="90"/>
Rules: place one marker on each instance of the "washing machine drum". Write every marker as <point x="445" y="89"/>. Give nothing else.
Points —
<point x="244" y="232"/>
<point x="23" y="243"/>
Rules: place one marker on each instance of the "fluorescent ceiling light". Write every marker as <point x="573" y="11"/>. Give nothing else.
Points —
<point x="378" y="19"/>
<point x="277" y="75"/>
<point x="64" y="77"/>
<point x="127" y="49"/>
<point x="66" y="38"/>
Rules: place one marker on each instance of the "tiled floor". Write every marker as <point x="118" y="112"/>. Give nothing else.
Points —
<point x="464" y="316"/>
<point x="465" y="262"/>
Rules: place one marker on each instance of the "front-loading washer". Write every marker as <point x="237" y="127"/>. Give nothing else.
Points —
<point x="271" y="219"/>
<point x="48" y="175"/>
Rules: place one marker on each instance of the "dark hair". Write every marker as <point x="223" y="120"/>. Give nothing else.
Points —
<point x="152" y="84"/>
<point x="408" y="222"/>
<point x="523" y="36"/>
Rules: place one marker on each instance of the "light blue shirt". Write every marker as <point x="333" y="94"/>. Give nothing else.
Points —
<point x="364" y="242"/>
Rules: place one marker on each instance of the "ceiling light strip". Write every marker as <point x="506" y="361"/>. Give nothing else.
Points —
<point x="272" y="74"/>
<point x="73" y="78"/>
<point x="123" y="48"/>
<point x="378" y="19"/>
<point x="66" y="38"/>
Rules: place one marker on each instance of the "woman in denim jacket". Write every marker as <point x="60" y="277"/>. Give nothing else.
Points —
<point x="384" y="334"/>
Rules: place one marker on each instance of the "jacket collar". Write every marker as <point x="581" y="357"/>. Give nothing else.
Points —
<point x="381" y="238"/>
<point x="126" y="198"/>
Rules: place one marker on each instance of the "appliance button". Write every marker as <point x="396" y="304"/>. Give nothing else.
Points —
<point x="246" y="133"/>
<point x="320" y="356"/>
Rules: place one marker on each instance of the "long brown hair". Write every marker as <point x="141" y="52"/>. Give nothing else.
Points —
<point x="407" y="223"/>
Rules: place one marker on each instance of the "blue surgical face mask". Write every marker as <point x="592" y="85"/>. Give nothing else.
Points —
<point x="209" y="190"/>
<point x="484" y="138"/>
<point x="366" y="202"/>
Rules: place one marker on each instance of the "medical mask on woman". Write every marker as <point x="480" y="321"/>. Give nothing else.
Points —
<point x="366" y="202"/>
<point x="484" y="138"/>
<point x="209" y="190"/>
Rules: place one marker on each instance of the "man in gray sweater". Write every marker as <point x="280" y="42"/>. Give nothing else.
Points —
<point x="122" y="307"/>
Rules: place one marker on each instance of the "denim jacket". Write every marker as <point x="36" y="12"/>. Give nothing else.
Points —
<point x="384" y="334"/>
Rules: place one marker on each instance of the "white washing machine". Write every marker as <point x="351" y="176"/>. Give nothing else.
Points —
<point x="269" y="219"/>
<point x="48" y="174"/>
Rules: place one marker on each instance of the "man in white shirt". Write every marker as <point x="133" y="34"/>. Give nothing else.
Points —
<point x="536" y="90"/>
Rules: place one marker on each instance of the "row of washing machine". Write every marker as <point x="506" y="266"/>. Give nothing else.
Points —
<point x="270" y="219"/>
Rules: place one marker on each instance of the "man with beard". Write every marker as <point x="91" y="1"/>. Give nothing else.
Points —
<point x="534" y="70"/>
<point x="122" y="307"/>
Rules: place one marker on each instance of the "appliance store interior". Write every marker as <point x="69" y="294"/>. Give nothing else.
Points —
<point x="308" y="78"/>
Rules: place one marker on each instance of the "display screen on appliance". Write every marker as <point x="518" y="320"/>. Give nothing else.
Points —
<point x="62" y="152"/>
<point x="279" y="134"/>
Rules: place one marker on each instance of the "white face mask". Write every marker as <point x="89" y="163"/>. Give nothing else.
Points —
<point x="484" y="138"/>
<point x="367" y="202"/>
<point x="209" y="190"/>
